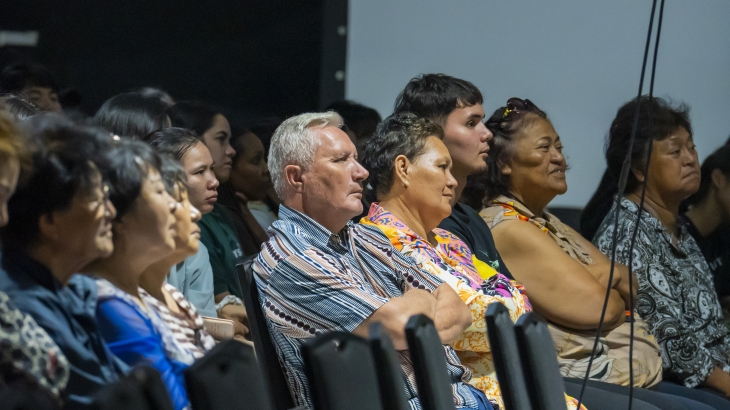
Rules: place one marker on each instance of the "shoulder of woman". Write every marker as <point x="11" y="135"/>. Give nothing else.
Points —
<point x="497" y="213"/>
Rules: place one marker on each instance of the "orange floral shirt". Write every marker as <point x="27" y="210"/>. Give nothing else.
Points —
<point x="456" y="269"/>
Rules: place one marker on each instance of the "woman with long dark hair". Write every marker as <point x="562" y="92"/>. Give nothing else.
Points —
<point x="676" y="295"/>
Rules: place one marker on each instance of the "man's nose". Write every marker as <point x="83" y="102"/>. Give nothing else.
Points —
<point x="360" y="173"/>
<point x="485" y="135"/>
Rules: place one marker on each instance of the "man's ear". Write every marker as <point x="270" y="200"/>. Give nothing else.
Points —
<point x="401" y="171"/>
<point x="293" y="175"/>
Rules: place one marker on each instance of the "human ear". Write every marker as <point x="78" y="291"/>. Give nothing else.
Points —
<point x="638" y="174"/>
<point x="47" y="227"/>
<point x="719" y="180"/>
<point x="401" y="170"/>
<point x="293" y="175"/>
<point x="505" y="169"/>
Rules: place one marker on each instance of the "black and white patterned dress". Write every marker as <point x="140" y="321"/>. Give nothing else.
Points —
<point x="26" y="348"/>
<point x="676" y="295"/>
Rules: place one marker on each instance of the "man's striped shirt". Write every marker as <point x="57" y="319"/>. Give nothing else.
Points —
<point x="312" y="281"/>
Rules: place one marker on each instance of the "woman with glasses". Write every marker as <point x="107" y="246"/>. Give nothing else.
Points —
<point x="59" y="221"/>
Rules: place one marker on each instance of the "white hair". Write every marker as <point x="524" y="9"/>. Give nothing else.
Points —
<point x="294" y="142"/>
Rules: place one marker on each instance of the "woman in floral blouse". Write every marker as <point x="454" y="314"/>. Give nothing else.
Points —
<point x="676" y="293"/>
<point x="409" y="172"/>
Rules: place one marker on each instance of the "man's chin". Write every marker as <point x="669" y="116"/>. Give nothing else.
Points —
<point x="478" y="168"/>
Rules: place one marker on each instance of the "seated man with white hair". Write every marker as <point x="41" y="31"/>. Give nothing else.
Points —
<point x="319" y="272"/>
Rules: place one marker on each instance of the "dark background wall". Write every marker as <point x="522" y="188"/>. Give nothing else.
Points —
<point x="252" y="58"/>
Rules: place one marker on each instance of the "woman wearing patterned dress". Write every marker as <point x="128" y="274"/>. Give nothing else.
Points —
<point x="179" y="314"/>
<point x="410" y="173"/>
<point x="676" y="294"/>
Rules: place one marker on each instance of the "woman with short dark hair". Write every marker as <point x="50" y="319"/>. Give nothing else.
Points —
<point x="27" y="353"/>
<point x="174" y="309"/>
<point x="676" y="295"/>
<point x="59" y="222"/>
<point x="410" y="173"/>
<point x="144" y="233"/>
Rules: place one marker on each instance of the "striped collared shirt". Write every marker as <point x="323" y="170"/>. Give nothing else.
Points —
<point x="312" y="281"/>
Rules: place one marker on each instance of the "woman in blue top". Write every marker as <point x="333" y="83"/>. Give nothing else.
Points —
<point x="144" y="232"/>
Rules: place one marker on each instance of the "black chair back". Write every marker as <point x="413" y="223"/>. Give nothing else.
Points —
<point x="25" y="394"/>
<point x="227" y="378"/>
<point x="390" y="374"/>
<point x="539" y="363"/>
<point x="265" y="350"/>
<point x="341" y="372"/>
<point x="429" y="364"/>
<point x="506" y="357"/>
<point x="141" y="389"/>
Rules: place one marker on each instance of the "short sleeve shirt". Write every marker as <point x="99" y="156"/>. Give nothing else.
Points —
<point x="194" y="278"/>
<point x="312" y="281"/>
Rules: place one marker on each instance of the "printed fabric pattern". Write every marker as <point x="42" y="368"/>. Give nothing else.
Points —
<point x="458" y="271"/>
<point x="574" y="347"/>
<point x="312" y="281"/>
<point x="676" y="294"/>
<point x="187" y="326"/>
<point x="28" y="348"/>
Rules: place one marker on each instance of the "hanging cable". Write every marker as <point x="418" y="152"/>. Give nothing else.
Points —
<point x="626" y="168"/>
<point x="634" y="234"/>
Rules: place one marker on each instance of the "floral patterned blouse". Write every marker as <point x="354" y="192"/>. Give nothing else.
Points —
<point x="676" y="294"/>
<point x="456" y="269"/>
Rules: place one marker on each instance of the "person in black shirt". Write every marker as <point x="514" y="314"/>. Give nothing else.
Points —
<point x="456" y="105"/>
<point x="708" y="220"/>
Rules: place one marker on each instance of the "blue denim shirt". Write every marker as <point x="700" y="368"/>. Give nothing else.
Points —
<point x="68" y="315"/>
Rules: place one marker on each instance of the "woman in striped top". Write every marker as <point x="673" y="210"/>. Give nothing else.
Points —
<point x="180" y="315"/>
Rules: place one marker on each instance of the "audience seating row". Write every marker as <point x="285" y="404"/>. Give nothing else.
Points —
<point x="348" y="372"/>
